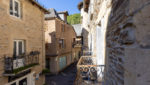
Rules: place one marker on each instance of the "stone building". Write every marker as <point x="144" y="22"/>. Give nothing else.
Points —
<point x="60" y="37"/>
<point x="78" y="50"/>
<point x="119" y="31"/>
<point x="63" y="15"/>
<point x="22" y="45"/>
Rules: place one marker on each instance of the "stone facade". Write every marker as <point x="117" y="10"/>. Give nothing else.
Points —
<point x="63" y="15"/>
<point x="120" y="38"/>
<point x="79" y="40"/>
<point x="29" y="28"/>
<point x="85" y="30"/>
<point x="59" y="40"/>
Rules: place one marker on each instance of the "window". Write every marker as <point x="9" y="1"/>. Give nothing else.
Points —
<point x="74" y="39"/>
<point x="19" y="47"/>
<point x="15" y="8"/>
<point x="48" y="63"/>
<point x="74" y="42"/>
<point x="91" y="17"/>
<point x="13" y="84"/>
<point x="23" y="82"/>
<point x="61" y="43"/>
<point x="63" y="28"/>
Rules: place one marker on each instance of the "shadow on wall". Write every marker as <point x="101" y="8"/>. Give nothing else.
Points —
<point x="51" y="47"/>
<point x="119" y="34"/>
<point x="85" y="34"/>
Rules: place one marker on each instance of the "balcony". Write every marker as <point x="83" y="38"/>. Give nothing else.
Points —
<point x="88" y="72"/>
<point x="87" y="53"/>
<point x="77" y="44"/>
<point x="15" y="65"/>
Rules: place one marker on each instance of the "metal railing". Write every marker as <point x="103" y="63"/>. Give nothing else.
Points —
<point x="87" y="53"/>
<point x="77" y="44"/>
<point x="25" y="60"/>
<point x="88" y="72"/>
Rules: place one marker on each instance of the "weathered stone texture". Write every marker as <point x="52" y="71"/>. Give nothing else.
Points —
<point x="125" y="24"/>
<point x="137" y="66"/>
<point x="53" y="33"/>
<point x="28" y="28"/>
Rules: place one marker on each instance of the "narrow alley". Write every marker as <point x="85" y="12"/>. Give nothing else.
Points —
<point x="74" y="42"/>
<point x="66" y="77"/>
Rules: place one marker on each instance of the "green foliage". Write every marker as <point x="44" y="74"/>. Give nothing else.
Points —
<point x="23" y="68"/>
<point x="45" y="71"/>
<point x="74" y="19"/>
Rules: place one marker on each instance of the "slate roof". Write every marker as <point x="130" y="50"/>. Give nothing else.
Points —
<point x="63" y="12"/>
<point x="52" y="13"/>
<point x="78" y="29"/>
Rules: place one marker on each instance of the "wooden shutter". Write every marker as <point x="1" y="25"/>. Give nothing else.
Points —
<point x="11" y="7"/>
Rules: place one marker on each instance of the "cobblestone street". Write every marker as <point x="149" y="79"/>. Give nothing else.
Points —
<point x="66" y="77"/>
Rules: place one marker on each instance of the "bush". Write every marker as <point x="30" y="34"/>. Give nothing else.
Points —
<point x="45" y="71"/>
<point x="74" y="19"/>
<point x="23" y="68"/>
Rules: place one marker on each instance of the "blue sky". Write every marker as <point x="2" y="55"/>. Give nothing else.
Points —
<point x="62" y="5"/>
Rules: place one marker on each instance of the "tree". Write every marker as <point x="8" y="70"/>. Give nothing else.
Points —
<point x="74" y="19"/>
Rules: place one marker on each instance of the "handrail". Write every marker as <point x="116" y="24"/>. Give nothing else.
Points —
<point x="88" y="74"/>
<point x="25" y="60"/>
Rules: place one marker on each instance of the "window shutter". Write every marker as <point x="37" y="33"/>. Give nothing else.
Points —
<point x="64" y="28"/>
<point x="14" y="50"/>
<point x="16" y="9"/>
<point x="20" y="46"/>
<point x="64" y="43"/>
<point x="20" y="10"/>
<point x="11" y="7"/>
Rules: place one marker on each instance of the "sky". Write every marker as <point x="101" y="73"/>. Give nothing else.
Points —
<point x="61" y="5"/>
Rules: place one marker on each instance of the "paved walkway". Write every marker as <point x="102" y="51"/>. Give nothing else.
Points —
<point x="67" y="77"/>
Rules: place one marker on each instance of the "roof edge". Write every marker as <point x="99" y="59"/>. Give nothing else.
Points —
<point x="80" y="5"/>
<point x="63" y="12"/>
<point x="37" y="4"/>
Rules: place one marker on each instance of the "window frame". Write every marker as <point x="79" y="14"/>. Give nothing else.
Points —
<point x="17" y="47"/>
<point x="61" y="43"/>
<point x="14" y="10"/>
<point x="63" y="28"/>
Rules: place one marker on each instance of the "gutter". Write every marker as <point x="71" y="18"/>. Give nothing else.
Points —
<point x="37" y="4"/>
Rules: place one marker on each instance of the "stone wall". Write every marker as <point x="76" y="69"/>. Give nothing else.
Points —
<point x="50" y="39"/>
<point x="120" y="30"/>
<point x="123" y="34"/>
<point x="53" y="33"/>
<point x="85" y="30"/>
<point x="120" y="34"/>
<point x="29" y="28"/>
